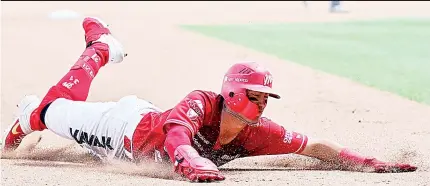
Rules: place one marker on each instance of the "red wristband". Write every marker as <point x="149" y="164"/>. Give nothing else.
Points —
<point x="356" y="159"/>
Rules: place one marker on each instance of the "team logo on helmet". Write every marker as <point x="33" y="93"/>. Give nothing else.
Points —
<point x="268" y="79"/>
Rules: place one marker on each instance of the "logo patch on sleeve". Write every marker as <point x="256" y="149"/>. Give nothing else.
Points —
<point x="196" y="109"/>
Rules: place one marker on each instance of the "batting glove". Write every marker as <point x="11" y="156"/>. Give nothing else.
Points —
<point x="190" y="164"/>
<point x="385" y="167"/>
<point x="371" y="164"/>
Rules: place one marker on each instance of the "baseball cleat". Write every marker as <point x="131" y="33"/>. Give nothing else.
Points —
<point x="97" y="31"/>
<point x="21" y="126"/>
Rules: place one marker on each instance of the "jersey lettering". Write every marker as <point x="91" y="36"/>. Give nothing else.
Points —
<point x="91" y="140"/>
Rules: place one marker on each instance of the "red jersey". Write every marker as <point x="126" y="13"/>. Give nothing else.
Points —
<point x="200" y="112"/>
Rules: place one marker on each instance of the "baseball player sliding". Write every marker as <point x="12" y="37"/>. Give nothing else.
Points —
<point x="203" y="131"/>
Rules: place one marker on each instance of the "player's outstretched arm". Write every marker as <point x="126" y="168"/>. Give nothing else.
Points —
<point x="278" y="140"/>
<point x="187" y="161"/>
<point x="335" y="153"/>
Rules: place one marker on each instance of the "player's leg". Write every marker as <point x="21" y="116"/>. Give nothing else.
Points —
<point x="102" y="48"/>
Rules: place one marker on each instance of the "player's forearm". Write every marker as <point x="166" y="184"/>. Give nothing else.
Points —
<point x="177" y="135"/>
<point x="323" y="150"/>
<point x="335" y="153"/>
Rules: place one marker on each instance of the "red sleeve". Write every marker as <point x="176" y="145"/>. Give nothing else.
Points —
<point x="189" y="112"/>
<point x="271" y="138"/>
<point x="184" y="120"/>
<point x="177" y="135"/>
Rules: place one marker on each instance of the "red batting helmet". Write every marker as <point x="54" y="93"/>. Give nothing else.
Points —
<point x="239" y="78"/>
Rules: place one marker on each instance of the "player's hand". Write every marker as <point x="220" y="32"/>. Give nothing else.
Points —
<point x="190" y="164"/>
<point x="385" y="167"/>
<point x="393" y="168"/>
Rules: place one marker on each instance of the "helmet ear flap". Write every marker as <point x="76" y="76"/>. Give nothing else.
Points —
<point x="240" y="106"/>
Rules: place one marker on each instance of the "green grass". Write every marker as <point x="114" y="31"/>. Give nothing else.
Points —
<point x="392" y="55"/>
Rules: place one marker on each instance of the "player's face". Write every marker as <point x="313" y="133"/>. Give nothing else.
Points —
<point x="258" y="98"/>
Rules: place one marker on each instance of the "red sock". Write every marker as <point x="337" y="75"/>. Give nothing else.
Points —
<point x="78" y="80"/>
<point x="75" y="85"/>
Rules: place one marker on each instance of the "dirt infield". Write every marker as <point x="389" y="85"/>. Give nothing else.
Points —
<point x="162" y="67"/>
